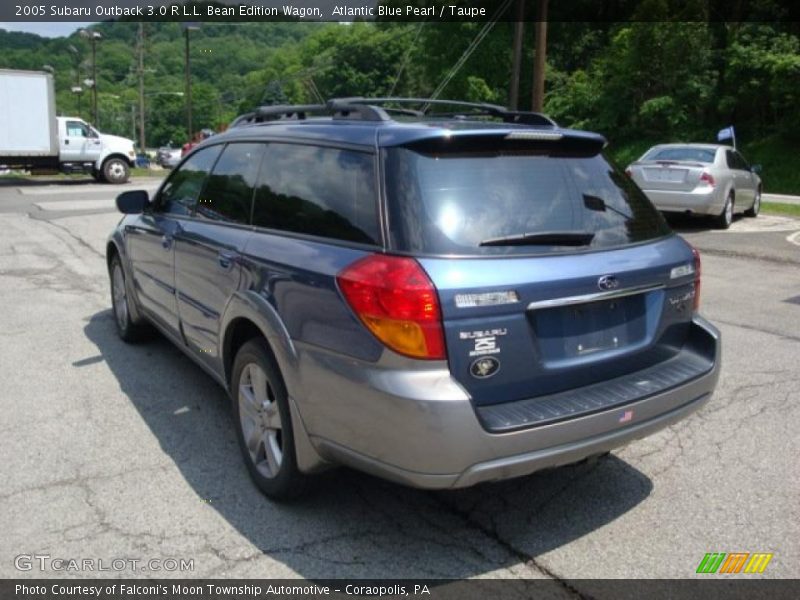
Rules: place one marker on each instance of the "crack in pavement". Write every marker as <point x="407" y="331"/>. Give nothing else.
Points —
<point x="77" y="238"/>
<point x="491" y="531"/>
<point x="785" y="336"/>
<point x="79" y="480"/>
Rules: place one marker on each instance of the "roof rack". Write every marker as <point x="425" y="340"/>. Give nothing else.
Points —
<point x="300" y="112"/>
<point x="477" y="109"/>
<point x="372" y="109"/>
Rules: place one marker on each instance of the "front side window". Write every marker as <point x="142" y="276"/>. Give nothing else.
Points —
<point x="228" y="193"/>
<point x="326" y="192"/>
<point x="179" y="194"/>
<point x="741" y="161"/>
<point x="77" y="129"/>
<point x="512" y="202"/>
<point x="736" y="161"/>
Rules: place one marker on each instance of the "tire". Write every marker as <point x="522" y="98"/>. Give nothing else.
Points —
<point x="725" y="218"/>
<point x="128" y="330"/>
<point x="263" y="423"/>
<point x="754" y="210"/>
<point x="116" y="170"/>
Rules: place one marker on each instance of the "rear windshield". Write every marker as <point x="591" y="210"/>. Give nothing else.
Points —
<point x="703" y="155"/>
<point x="460" y="204"/>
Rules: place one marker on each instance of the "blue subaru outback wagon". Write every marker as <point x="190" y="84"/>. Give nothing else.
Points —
<point x="438" y="293"/>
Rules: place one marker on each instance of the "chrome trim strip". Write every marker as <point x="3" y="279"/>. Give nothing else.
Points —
<point x="570" y="300"/>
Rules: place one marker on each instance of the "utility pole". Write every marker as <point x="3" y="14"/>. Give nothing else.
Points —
<point x="141" y="88"/>
<point x="94" y="81"/>
<point x="188" y="89"/>
<point x="516" y="61"/>
<point x="93" y="37"/>
<point x="187" y="27"/>
<point x="539" y="64"/>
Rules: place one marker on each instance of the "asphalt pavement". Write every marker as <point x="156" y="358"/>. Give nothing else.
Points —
<point x="117" y="451"/>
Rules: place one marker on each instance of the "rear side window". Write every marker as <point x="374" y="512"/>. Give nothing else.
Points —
<point x="688" y="153"/>
<point x="462" y="204"/>
<point x="183" y="187"/>
<point x="326" y="192"/>
<point x="228" y="194"/>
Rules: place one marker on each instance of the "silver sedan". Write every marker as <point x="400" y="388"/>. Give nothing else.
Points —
<point x="701" y="179"/>
<point x="168" y="157"/>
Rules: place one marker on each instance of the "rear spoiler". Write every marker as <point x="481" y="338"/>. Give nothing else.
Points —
<point x="545" y="141"/>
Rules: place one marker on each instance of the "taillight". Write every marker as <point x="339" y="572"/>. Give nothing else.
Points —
<point x="707" y="178"/>
<point x="396" y="300"/>
<point x="697" y="270"/>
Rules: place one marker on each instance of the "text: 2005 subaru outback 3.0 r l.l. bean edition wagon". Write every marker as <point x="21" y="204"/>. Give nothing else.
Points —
<point x="438" y="299"/>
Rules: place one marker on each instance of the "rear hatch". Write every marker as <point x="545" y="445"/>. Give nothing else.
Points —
<point x="553" y="270"/>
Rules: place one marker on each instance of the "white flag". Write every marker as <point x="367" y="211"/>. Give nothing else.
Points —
<point x="725" y="134"/>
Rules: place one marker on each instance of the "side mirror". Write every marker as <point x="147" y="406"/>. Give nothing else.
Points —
<point x="756" y="169"/>
<point x="133" y="202"/>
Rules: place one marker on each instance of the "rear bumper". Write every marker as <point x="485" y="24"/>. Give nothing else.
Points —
<point x="419" y="428"/>
<point x="700" y="201"/>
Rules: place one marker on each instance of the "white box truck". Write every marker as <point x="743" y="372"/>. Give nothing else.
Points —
<point x="33" y="138"/>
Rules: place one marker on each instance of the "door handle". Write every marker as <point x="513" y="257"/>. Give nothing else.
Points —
<point x="66" y="142"/>
<point x="226" y="259"/>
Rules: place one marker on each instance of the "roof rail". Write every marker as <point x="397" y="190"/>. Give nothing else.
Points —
<point x="372" y="109"/>
<point x="300" y="112"/>
<point x="478" y="109"/>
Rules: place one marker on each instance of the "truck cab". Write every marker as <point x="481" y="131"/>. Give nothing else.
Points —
<point x="82" y="148"/>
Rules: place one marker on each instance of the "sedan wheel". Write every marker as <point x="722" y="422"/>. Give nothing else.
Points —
<point x="725" y="218"/>
<point x="263" y="422"/>
<point x="754" y="210"/>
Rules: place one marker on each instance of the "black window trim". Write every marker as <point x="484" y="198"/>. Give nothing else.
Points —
<point x="310" y="237"/>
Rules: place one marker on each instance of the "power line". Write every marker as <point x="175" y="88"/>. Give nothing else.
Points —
<point x="406" y="57"/>
<point x="468" y="52"/>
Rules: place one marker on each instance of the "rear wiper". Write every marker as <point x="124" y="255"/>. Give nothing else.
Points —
<point x="543" y="238"/>
<point x="597" y="203"/>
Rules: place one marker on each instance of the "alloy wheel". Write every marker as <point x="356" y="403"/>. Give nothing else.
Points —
<point x="260" y="420"/>
<point x="120" y="297"/>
